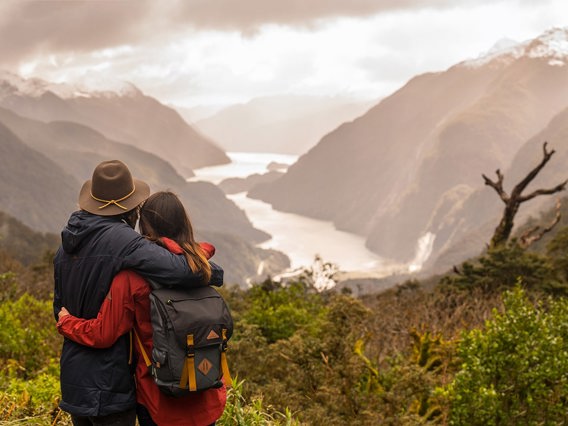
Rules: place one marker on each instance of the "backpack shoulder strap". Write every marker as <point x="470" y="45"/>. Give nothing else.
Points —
<point x="188" y="372"/>
<point x="142" y="350"/>
<point x="224" y="365"/>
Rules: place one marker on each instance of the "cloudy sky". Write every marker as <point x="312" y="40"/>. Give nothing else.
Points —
<point x="212" y="52"/>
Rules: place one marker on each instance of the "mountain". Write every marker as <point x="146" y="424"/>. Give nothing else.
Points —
<point x="406" y="169"/>
<point x="123" y="114"/>
<point x="23" y="243"/>
<point x="243" y="263"/>
<point x="236" y="185"/>
<point x="77" y="149"/>
<point x="44" y="164"/>
<point x="193" y="114"/>
<point x="281" y="124"/>
<point x="480" y="212"/>
<point x="33" y="188"/>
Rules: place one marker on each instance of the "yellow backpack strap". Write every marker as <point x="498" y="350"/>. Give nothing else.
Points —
<point x="142" y="351"/>
<point x="188" y="372"/>
<point x="130" y="347"/>
<point x="224" y="365"/>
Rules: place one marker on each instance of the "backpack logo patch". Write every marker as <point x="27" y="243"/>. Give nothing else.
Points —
<point x="212" y="335"/>
<point x="205" y="366"/>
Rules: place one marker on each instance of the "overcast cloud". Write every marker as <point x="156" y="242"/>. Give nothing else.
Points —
<point x="31" y="27"/>
<point x="221" y="51"/>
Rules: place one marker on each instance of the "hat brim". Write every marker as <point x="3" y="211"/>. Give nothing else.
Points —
<point x="88" y="203"/>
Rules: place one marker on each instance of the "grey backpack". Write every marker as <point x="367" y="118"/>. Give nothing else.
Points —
<point x="191" y="327"/>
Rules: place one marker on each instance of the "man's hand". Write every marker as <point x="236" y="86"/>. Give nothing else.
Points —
<point x="63" y="312"/>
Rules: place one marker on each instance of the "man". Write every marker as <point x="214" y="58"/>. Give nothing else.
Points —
<point x="99" y="240"/>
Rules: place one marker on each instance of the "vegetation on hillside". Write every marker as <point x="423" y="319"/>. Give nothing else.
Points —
<point x="488" y="345"/>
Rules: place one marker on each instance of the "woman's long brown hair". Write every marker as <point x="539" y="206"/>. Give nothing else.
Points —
<point x="163" y="215"/>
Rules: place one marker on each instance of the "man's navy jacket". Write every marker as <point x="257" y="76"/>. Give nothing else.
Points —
<point x="98" y="382"/>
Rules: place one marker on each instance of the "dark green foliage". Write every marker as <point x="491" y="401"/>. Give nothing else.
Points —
<point x="557" y="250"/>
<point x="29" y="353"/>
<point x="22" y="243"/>
<point x="26" y="334"/>
<point x="500" y="268"/>
<point x="385" y="359"/>
<point x="279" y="310"/>
<point x="515" y="370"/>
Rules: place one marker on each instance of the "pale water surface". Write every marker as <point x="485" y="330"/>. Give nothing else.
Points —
<point x="242" y="164"/>
<point x="300" y="237"/>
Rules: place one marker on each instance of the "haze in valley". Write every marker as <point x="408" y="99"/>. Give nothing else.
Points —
<point x="394" y="109"/>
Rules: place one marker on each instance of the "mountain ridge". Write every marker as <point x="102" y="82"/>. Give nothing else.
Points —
<point x="412" y="160"/>
<point x="286" y="124"/>
<point x="126" y="116"/>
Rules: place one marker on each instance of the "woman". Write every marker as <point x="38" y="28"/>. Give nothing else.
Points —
<point x="164" y="220"/>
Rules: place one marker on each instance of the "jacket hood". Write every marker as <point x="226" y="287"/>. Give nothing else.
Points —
<point x="81" y="224"/>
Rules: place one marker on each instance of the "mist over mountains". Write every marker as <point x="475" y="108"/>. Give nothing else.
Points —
<point x="43" y="164"/>
<point x="125" y="115"/>
<point x="410" y="168"/>
<point x="283" y="124"/>
<point x="405" y="174"/>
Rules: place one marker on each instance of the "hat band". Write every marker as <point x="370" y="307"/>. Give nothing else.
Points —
<point x="115" y="202"/>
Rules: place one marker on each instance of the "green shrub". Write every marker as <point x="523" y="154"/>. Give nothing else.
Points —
<point x="279" y="310"/>
<point x="515" y="371"/>
<point x="239" y="412"/>
<point x="29" y="353"/>
<point x="27" y="333"/>
<point x="34" y="400"/>
<point x="501" y="267"/>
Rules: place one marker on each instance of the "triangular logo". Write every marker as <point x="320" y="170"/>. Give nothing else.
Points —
<point x="205" y="366"/>
<point x="212" y="335"/>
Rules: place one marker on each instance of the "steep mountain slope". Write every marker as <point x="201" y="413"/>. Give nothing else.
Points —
<point x="42" y="166"/>
<point x="282" y="124"/>
<point x="405" y="168"/>
<point x="77" y="149"/>
<point x="360" y="169"/>
<point x="23" y="243"/>
<point x="125" y="115"/>
<point x="464" y="231"/>
<point x="33" y="188"/>
<point x="486" y="135"/>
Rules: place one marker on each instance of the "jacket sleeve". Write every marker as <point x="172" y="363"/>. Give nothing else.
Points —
<point x="216" y="270"/>
<point x="56" y="291"/>
<point x="158" y="264"/>
<point x="216" y="274"/>
<point x="115" y="318"/>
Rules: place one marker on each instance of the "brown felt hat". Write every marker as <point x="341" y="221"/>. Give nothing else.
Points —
<point x="112" y="190"/>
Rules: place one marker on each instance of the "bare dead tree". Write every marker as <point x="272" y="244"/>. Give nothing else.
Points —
<point x="536" y="233"/>
<point x="514" y="201"/>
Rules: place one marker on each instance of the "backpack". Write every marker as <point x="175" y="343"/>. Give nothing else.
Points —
<point x="191" y="327"/>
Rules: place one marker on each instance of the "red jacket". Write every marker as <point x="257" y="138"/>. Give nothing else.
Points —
<point x="127" y="306"/>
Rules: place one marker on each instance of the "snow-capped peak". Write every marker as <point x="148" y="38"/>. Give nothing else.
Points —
<point x="95" y="86"/>
<point x="13" y="84"/>
<point x="552" y="44"/>
<point x="503" y="45"/>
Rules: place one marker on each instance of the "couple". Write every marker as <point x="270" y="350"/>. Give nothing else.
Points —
<point x="101" y="294"/>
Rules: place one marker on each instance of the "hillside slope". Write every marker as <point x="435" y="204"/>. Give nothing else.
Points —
<point x="402" y="171"/>
<point x="125" y="115"/>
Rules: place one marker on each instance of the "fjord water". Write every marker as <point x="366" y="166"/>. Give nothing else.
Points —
<point x="300" y="237"/>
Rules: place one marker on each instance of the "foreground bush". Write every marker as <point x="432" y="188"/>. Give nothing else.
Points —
<point x="515" y="371"/>
<point x="239" y="412"/>
<point x="29" y="354"/>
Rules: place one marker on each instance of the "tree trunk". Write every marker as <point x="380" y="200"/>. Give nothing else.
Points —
<point x="514" y="201"/>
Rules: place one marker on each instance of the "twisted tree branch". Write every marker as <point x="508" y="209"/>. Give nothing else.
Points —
<point x="531" y="235"/>
<point x="513" y="201"/>
<point x="497" y="185"/>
